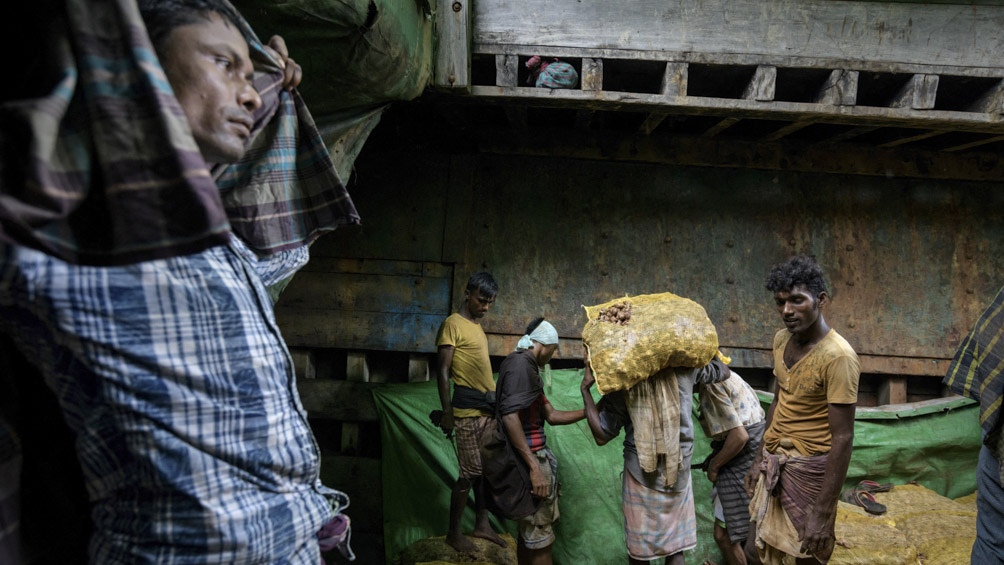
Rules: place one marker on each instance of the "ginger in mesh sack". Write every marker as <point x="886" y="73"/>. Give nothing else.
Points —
<point x="632" y="338"/>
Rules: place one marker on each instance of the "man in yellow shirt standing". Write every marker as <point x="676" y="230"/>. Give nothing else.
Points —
<point x="463" y="357"/>
<point x="796" y="479"/>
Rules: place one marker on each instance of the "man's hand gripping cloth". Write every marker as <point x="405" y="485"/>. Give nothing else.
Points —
<point x="100" y="167"/>
<point x="654" y="407"/>
<point x="789" y="484"/>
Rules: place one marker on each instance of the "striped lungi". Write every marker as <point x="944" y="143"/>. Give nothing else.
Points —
<point x="658" y="524"/>
<point x="731" y="487"/>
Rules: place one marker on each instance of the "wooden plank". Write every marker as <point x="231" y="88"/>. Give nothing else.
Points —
<point x="972" y="144"/>
<point x="848" y="30"/>
<point x="892" y="390"/>
<point x="787" y="130"/>
<point x="721" y="126"/>
<point x="303" y="363"/>
<point x="674" y="79"/>
<point x="584" y="119"/>
<point x="506" y="70"/>
<point x="747" y="60"/>
<point x="919" y="93"/>
<point x="380" y="331"/>
<point x="356" y="370"/>
<point x="912" y="138"/>
<point x="418" y="368"/>
<point x="840" y="89"/>
<point x="991" y="102"/>
<point x="763" y="84"/>
<point x="345" y="401"/>
<point x="651" y="122"/>
<point x="453" y="53"/>
<point x="592" y="75"/>
<point x="852" y="133"/>
<point x="776" y="110"/>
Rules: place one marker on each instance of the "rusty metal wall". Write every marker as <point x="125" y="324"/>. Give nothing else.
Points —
<point x="911" y="263"/>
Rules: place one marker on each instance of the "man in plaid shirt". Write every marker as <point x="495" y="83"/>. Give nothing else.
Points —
<point x="122" y="282"/>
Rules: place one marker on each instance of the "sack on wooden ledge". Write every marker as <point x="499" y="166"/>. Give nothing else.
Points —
<point x="663" y="330"/>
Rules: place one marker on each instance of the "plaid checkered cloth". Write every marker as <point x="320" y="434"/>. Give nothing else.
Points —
<point x="977" y="370"/>
<point x="102" y="169"/>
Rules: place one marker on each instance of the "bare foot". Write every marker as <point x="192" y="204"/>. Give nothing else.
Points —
<point x="461" y="544"/>
<point x="489" y="535"/>
<point x="708" y="562"/>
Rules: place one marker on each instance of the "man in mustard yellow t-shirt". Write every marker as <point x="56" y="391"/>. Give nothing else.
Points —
<point x="796" y="480"/>
<point x="463" y="357"/>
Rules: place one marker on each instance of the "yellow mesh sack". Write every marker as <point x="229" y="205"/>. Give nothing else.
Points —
<point x="664" y="330"/>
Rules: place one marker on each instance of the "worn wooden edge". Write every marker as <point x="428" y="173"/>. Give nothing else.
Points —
<point x="777" y="110"/>
<point x="738" y="59"/>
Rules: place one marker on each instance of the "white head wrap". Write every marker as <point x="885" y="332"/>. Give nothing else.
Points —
<point x="545" y="334"/>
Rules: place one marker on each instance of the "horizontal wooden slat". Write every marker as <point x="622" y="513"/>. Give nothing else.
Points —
<point x="331" y="399"/>
<point x="776" y="110"/>
<point x="919" y="33"/>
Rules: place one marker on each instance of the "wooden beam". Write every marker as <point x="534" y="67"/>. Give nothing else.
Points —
<point x="763" y="84"/>
<point x="787" y="130"/>
<point x="506" y="70"/>
<point x="674" y="79"/>
<point x="852" y="133"/>
<point x="651" y="122"/>
<point x="356" y="370"/>
<point x="991" y="102"/>
<point x="344" y="401"/>
<point x="972" y="144"/>
<point x="303" y="363"/>
<point x="848" y="31"/>
<point x="418" y="368"/>
<point x="919" y="93"/>
<point x="912" y="138"/>
<point x="754" y="109"/>
<point x="453" y="55"/>
<point x="840" y="89"/>
<point x="892" y="390"/>
<point x="720" y="127"/>
<point x="592" y="75"/>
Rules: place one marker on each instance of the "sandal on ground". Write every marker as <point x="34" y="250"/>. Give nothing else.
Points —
<point x="872" y="486"/>
<point x="864" y="499"/>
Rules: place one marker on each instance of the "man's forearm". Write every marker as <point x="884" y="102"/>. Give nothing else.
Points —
<point x="514" y="430"/>
<point x="562" y="417"/>
<point x="734" y="443"/>
<point x="443" y="385"/>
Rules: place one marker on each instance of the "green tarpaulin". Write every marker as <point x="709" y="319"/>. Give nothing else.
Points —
<point x="936" y="445"/>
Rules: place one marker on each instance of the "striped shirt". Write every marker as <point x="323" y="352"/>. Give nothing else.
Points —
<point x="179" y="388"/>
